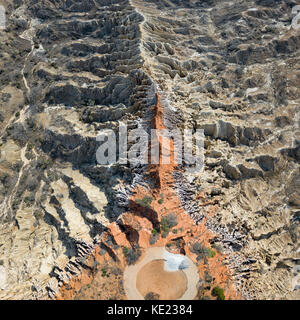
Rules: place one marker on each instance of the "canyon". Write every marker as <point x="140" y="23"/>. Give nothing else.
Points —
<point x="71" y="228"/>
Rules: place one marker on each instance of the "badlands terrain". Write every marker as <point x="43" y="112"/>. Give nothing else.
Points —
<point x="71" y="228"/>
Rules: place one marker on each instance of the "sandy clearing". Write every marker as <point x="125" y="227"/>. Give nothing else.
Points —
<point x="158" y="253"/>
<point x="168" y="285"/>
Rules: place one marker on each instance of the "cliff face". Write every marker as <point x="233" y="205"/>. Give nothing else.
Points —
<point x="69" y="69"/>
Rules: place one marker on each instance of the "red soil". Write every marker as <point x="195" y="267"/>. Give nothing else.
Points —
<point x="139" y="223"/>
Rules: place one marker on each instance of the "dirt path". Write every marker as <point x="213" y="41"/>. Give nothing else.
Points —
<point x="26" y="35"/>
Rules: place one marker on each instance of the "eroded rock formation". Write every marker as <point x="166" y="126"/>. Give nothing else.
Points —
<point x="69" y="69"/>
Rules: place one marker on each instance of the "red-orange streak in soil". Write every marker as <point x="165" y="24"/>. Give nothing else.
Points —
<point x="136" y="219"/>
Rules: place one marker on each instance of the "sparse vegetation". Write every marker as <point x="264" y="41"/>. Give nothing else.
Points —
<point x="208" y="278"/>
<point x="29" y="146"/>
<point x="145" y="202"/>
<point x="202" y="252"/>
<point x="104" y="273"/>
<point x="44" y="163"/>
<point x="153" y="239"/>
<point x="152" y="296"/>
<point x="29" y="200"/>
<point x="167" y="223"/>
<point x="154" y="232"/>
<point x="211" y="253"/>
<point x="131" y="255"/>
<point x="29" y="155"/>
<point x="125" y="251"/>
<point x="218" y="292"/>
<point x="165" y="234"/>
